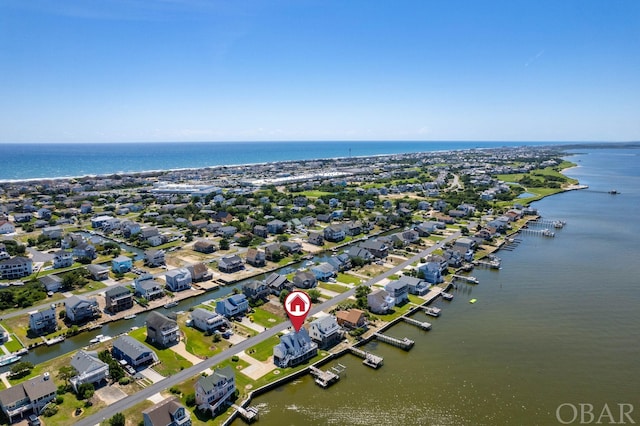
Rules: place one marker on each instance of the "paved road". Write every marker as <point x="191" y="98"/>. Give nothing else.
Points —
<point x="196" y="369"/>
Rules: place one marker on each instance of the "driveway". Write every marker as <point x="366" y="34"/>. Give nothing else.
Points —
<point x="110" y="394"/>
<point x="151" y="374"/>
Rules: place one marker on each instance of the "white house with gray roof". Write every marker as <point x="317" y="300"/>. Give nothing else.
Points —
<point x="205" y="320"/>
<point x="89" y="367"/>
<point x="27" y="397"/>
<point x="213" y="391"/>
<point x="134" y="352"/>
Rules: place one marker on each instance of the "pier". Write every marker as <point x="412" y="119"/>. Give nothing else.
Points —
<point x="53" y="341"/>
<point x="446" y="296"/>
<point x="490" y="261"/>
<point x="558" y="224"/>
<point x="537" y="232"/>
<point x="421" y="324"/>
<point x="404" y="343"/>
<point x="371" y="360"/>
<point x="466" y="278"/>
<point x="328" y="377"/>
<point x="432" y="311"/>
<point x="249" y="414"/>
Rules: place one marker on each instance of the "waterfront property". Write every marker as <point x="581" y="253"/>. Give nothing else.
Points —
<point x="81" y="308"/>
<point x="305" y="280"/>
<point x="168" y="412"/>
<point x="62" y="259"/>
<point x="294" y="349"/>
<point x="121" y="264"/>
<point x="217" y="389"/>
<point x="323" y="271"/>
<point x="233" y="306"/>
<point x="379" y="301"/>
<point x="256" y="257"/>
<point x="17" y="267"/>
<point x="399" y="290"/>
<point x="199" y="272"/>
<point x="351" y="319"/>
<point x="178" y="279"/>
<point x="154" y="258"/>
<point x="207" y="321"/>
<point x="230" y="264"/>
<point x="146" y="286"/>
<point x="51" y="282"/>
<point x="43" y="321"/>
<point x="90" y="369"/>
<point x="27" y="397"/>
<point x="98" y="272"/>
<point x="118" y="298"/>
<point x="431" y="271"/>
<point x="276" y="283"/>
<point x="255" y="290"/>
<point x="135" y="353"/>
<point x="161" y="330"/>
<point x="377" y="248"/>
<point x="325" y="331"/>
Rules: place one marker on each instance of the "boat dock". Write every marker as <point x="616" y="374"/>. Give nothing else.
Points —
<point x="491" y="261"/>
<point x="421" y="324"/>
<point x="558" y="224"/>
<point x="248" y="414"/>
<point x="537" y="232"/>
<point x="446" y="296"/>
<point x="328" y="377"/>
<point x="466" y="278"/>
<point x="53" y="341"/>
<point x="433" y="311"/>
<point x="371" y="360"/>
<point x="404" y="343"/>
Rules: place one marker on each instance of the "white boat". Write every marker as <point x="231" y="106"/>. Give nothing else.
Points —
<point x="170" y="305"/>
<point x="446" y="296"/>
<point x="433" y="311"/>
<point x="9" y="359"/>
<point x="132" y="316"/>
<point x="97" y="339"/>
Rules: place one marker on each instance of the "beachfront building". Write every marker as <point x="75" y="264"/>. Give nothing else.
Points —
<point x="154" y="258"/>
<point x="27" y="397"/>
<point x="178" y="279"/>
<point x="294" y="349"/>
<point x="431" y="272"/>
<point x="233" y="306"/>
<point x="351" y="319"/>
<point x="161" y="330"/>
<point x="325" y="331"/>
<point x="135" y="353"/>
<point x="230" y="264"/>
<point x="118" y="298"/>
<point x="168" y="412"/>
<point x="90" y="369"/>
<point x="43" y="321"/>
<point x="207" y="321"/>
<point x="215" y="390"/>
<point x="81" y="308"/>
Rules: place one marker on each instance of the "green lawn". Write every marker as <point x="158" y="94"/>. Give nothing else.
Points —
<point x="263" y="350"/>
<point x="170" y="362"/>
<point x="13" y="345"/>
<point x="315" y="193"/>
<point x="200" y="345"/>
<point x="398" y="311"/>
<point x="348" y="279"/>
<point x="333" y="287"/>
<point x="264" y="318"/>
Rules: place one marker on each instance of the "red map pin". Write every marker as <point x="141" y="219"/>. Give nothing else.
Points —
<point x="297" y="304"/>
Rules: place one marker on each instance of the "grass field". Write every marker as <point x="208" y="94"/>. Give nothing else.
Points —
<point x="264" y="318"/>
<point x="348" y="279"/>
<point x="170" y="362"/>
<point x="263" y="350"/>
<point x="333" y="287"/>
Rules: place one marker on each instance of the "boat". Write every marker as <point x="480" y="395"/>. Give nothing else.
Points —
<point x="613" y="192"/>
<point x="171" y="304"/>
<point x="132" y="316"/>
<point x="433" y="311"/>
<point x="473" y="300"/>
<point x="9" y="359"/>
<point x="446" y="296"/>
<point x="97" y="339"/>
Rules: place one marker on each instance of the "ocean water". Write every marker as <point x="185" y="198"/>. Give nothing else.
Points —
<point x="558" y="324"/>
<point x="51" y="160"/>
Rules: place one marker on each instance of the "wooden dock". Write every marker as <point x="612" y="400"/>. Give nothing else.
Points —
<point x="404" y="343"/>
<point x="421" y="324"/>
<point x="249" y="414"/>
<point x="324" y="378"/>
<point x="432" y="311"/>
<point x="371" y="360"/>
<point x="466" y="278"/>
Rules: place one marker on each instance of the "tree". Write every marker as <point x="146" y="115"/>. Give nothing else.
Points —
<point x="66" y="372"/>
<point x="314" y="295"/>
<point x="21" y="369"/>
<point x="224" y="244"/>
<point x="283" y="295"/>
<point x="86" y="390"/>
<point x="362" y="291"/>
<point x="190" y="400"/>
<point x="118" y="419"/>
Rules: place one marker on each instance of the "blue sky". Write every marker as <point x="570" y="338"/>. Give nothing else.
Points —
<point x="233" y="70"/>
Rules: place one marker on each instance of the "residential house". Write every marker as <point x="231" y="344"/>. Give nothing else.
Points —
<point x="325" y="331"/>
<point x="168" y="412"/>
<point x="204" y="246"/>
<point x="232" y="306"/>
<point x="294" y="349"/>
<point x="272" y="251"/>
<point x="324" y="271"/>
<point x="154" y="258"/>
<point x="135" y="353"/>
<point x="316" y="238"/>
<point x="308" y="221"/>
<point x="324" y="217"/>
<point x="6" y="227"/>
<point x="198" y="224"/>
<point x="30" y="396"/>
<point x="43" y="321"/>
<point x="130" y="228"/>
<point x="205" y="320"/>
<point x="16" y="267"/>
<point x="255" y="290"/>
<point x="334" y="233"/>
<point x="147" y="287"/>
<point x="148" y="233"/>
<point x="215" y="390"/>
<point x="256" y="257"/>
<point x="62" y="259"/>
<point x="353" y="228"/>
<point x="81" y="308"/>
<point x="351" y="319"/>
<point x="121" y="264"/>
<point x="98" y="222"/>
<point x="291" y="247"/>
<point x="377" y="248"/>
<point x="356" y="252"/>
<point x="227" y="231"/>
<point x="98" y="272"/>
<point x="84" y="250"/>
<point x="399" y="290"/>
<point x="118" y="298"/>
<point x="22" y="217"/>
<point x="276" y="226"/>
<point x="260" y="231"/>
<point x="341" y="262"/>
<point x="162" y="330"/>
<point x="51" y="282"/>
<point x="276" y="283"/>
<point x="431" y="272"/>
<point x="411" y="236"/>
<point x="178" y="279"/>
<point x="423" y="230"/>
<point x="53" y="232"/>
<point x="230" y="264"/>
<point x="379" y="301"/>
<point x="90" y="369"/>
<point x="464" y="245"/>
<point x="199" y="272"/>
<point x="71" y="240"/>
<point x="305" y="280"/>
<point x="416" y="286"/>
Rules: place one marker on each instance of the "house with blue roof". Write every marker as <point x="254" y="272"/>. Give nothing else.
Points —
<point x="232" y="306"/>
<point x="294" y="349"/>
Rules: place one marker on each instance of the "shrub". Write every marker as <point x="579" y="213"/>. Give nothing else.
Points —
<point x="190" y="400"/>
<point x="59" y="399"/>
<point x="124" y="381"/>
<point x="235" y="358"/>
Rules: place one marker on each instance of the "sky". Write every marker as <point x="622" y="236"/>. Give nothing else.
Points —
<point x="240" y="70"/>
